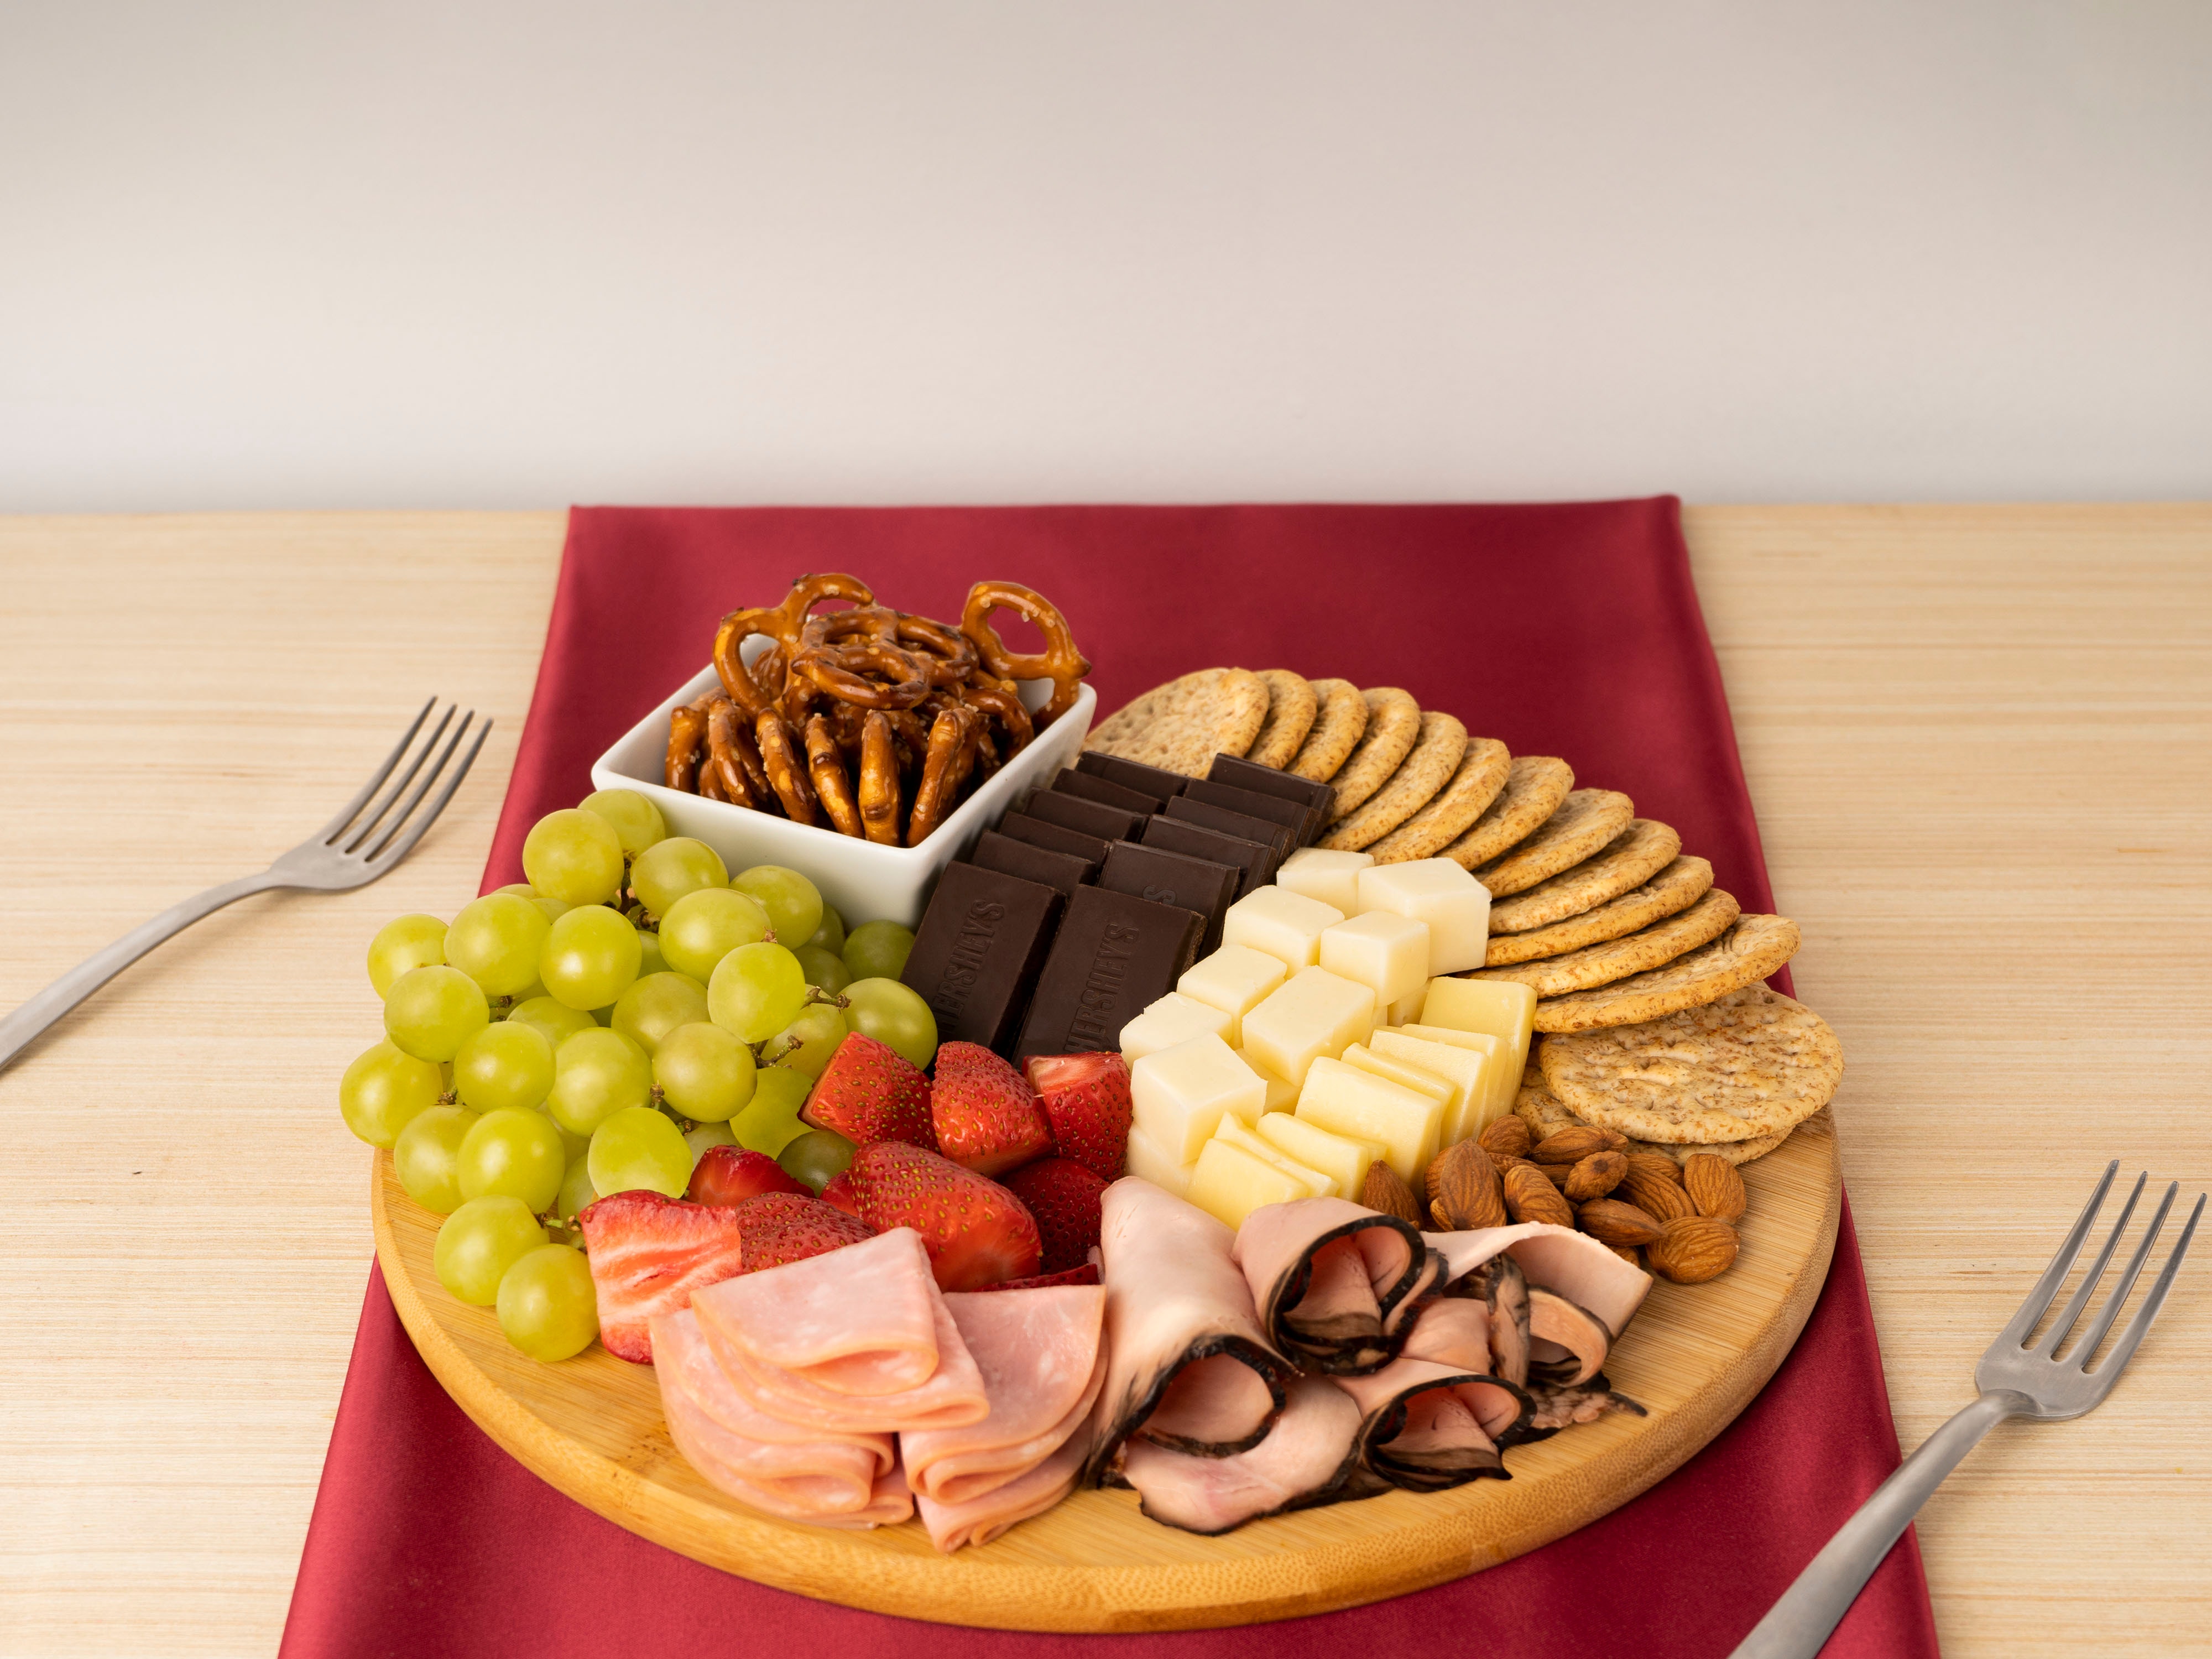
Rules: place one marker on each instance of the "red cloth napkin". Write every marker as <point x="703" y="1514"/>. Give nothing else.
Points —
<point x="1569" y="630"/>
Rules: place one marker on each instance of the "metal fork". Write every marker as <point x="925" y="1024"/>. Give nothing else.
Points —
<point x="366" y="840"/>
<point x="2016" y="1380"/>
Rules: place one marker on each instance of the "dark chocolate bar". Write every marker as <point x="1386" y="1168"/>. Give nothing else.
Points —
<point x="1018" y="857"/>
<point x="1303" y="822"/>
<point x="1267" y="781"/>
<point x="976" y="956"/>
<point x="1199" y="884"/>
<point x="1092" y="817"/>
<point x="1054" y="837"/>
<point x="1209" y="817"/>
<point x="1112" y="956"/>
<point x="1143" y="802"/>
<point x="1154" y="781"/>
<point x="1257" y="859"/>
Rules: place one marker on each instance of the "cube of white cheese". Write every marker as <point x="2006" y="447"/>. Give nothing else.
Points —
<point x="1467" y="1069"/>
<point x="1317" y="1184"/>
<point x="1406" y="1009"/>
<point x="1285" y="925"/>
<point x="1181" y="1094"/>
<point x="1502" y="1007"/>
<point x="1455" y="906"/>
<point x="1233" y="979"/>
<point x="1148" y="1161"/>
<point x="1408" y="1074"/>
<point x="1343" y="1159"/>
<point x="1282" y="1093"/>
<point x="1314" y="1013"/>
<point x="1171" y="1019"/>
<point x="1347" y="1101"/>
<point x="1501" y="1081"/>
<point x="1324" y="873"/>
<point x="1383" y="950"/>
<point x="1229" y="1183"/>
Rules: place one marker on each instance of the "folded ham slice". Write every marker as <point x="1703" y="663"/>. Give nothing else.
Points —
<point x="1187" y="1364"/>
<point x="1455" y="1331"/>
<point x="1330" y="1277"/>
<point x="1305" y="1459"/>
<point x="1421" y="1423"/>
<point x="979" y="1519"/>
<point x="1569" y="1263"/>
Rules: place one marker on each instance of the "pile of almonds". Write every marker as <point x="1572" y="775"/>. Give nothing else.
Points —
<point x="1677" y="1220"/>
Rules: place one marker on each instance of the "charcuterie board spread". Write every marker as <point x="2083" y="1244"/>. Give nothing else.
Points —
<point x="1303" y="1152"/>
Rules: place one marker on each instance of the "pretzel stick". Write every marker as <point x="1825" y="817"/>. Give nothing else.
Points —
<point x="786" y="775"/>
<point x="951" y="751"/>
<point x="880" y="780"/>
<point x="826" y="766"/>
<point x="686" y="726"/>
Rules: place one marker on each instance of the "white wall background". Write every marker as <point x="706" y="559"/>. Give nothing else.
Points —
<point x="524" y="253"/>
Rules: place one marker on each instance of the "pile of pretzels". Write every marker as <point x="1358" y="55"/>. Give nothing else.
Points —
<point x="869" y="718"/>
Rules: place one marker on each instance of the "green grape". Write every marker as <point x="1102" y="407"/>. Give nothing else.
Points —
<point x="636" y="820"/>
<point x="432" y="1012"/>
<point x="590" y="956"/>
<point x="830" y="935"/>
<point x="701" y="928"/>
<point x="895" y="1015"/>
<point x="427" y="1157"/>
<point x="504" y="1066"/>
<point x="770" y="1120"/>
<point x="793" y="902"/>
<point x="571" y="1142"/>
<point x="699" y="1136"/>
<point x="513" y="1154"/>
<point x="638" y="1149"/>
<point x="669" y="869"/>
<point x="547" y="1306"/>
<point x="704" y="1073"/>
<point x="656" y="1005"/>
<point x="756" y="991"/>
<point x="878" y="950"/>
<point x="404" y="942"/>
<point x="824" y="967"/>
<point x="651" y="959"/>
<point x="817" y="1157"/>
<point x="597" y="1073"/>
<point x="555" y="1021"/>
<point x="480" y="1241"/>
<point x="577" y="1193"/>
<point x="574" y="856"/>
<point x="552" y="909"/>
<point x="519" y="889"/>
<point x="806" y="1045"/>
<point x="495" y="940"/>
<point x="384" y="1090"/>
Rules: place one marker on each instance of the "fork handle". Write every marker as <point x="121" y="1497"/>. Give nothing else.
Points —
<point x="18" y="1028"/>
<point x="1796" y="1627"/>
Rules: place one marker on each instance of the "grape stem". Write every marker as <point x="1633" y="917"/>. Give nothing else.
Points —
<point x="797" y="1043"/>
<point x="815" y="994"/>
<point x="451" y="1097"/>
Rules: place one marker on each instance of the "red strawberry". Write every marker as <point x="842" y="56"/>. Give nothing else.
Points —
<point x="870" y="1092"/>
<point x="647" y="1255"/>
<point x="977" y="1233"/>
<point x="1086" y="1274"/>
<point x="986" y="1117"/>
<point x="730" y="1175"/>
<point x="837" y="1192"/>
<point x="1064" y="1197"/>
<point x="1086" y="1100"/>
<point x="782" y="1227"/>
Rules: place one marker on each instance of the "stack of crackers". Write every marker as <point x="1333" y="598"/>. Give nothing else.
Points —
<point x="1647" y="975"/>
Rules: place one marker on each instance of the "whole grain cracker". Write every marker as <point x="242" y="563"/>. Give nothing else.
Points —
<point x="1636" y="953"/>
<point x="1292" y="705"/>
<point x="1587" y="820"/>
<point x="1431" y="763"/>
<point x="1752" y="1063"/>
<point x="1394" y="726"/>
<point x="1545" y="1113"/>
<point x="1627" y="861"/>
<point x="1339" y="724"/>
<point x="1674" y="889"/>
<point x="1534" y="786"/>
<point x="1746" y="953"/>
<point x="1183" y="725"/>
<point x="1480" y="776"/>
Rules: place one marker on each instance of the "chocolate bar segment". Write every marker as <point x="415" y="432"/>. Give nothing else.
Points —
<point x="1018" y="857"/>
<point x="1165" y="877"/>
<point x="1143" y="802"/>
<point x="1256" y="860"/>
<point x="1092" y="817"/>
<point x="1209" y="817"/>
<point x="1054" y="837"/>
<point x="1112" y="955"/>
<point x="1302" y="822"/>
<point x="1267" y="781"/>
<point x="981" y="944"/>
<point x="1156" y="781"/>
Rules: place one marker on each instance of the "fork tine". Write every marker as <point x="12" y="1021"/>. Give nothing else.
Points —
<point x="2087" y="1349"/>
<point x="2055" y="1274"/>
<point x="429" y="815"/>
<point x="2125" y="1348"/>
<point x="2065" y="1322"/>
<point x="375" y="815"/>
<point x="398" y="820"/>
<point x="330" y="830"/>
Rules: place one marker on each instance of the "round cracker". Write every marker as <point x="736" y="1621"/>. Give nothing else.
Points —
<point x="1674" y="889"/>
<point x="1587" y="820"/>
<point x="1292" y="705"/>
<point x="1394" y="726"/>
<point x="1616" y="959"/>
<point x="1746" y="953"/>
<point x="1480" y="776"/>
<point x="1623" y="863"/>
<point x="1547" y="1115"/>
<point x="1339" y="724"/>
<point x="1183" y="725"/>
<point x="1534" y="786"/>
<point x="1429" y="765"/>
<point x="1752" y="1063"/>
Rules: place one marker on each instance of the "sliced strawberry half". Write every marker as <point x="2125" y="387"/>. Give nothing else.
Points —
<point x="986" y="1113"/>
<point x="977" y="1233"/>
<point x="1085" y="1099"/>
<point x="1086" y="1274"/>
<point x="1064" y="1197"/>
<point x="648" y="1254"/>
<point x="870" y="1092"/>
<point x="730" y="1175"/>
<point x="838" y="1192"/>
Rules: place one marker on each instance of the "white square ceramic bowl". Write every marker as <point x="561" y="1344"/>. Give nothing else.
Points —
<point x="866" y="882"/>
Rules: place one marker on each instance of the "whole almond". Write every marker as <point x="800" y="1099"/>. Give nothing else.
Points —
<point x="1432" y="1178"/>
<point x="1557" y="1174"/>
<point x="1656" y="1166"/>
<point x="1509" y="1135"/>
<point x="1691" y="1250"/>
<point x="1614" y="1140"/>
<point x="1627" y="1254"/>
<point x="1439" y="1220"/>
<point x="1470" y="1190"/>
<point x="1503" y="1162"/>
<point x="1715" y="1188"/>
<point x="1596" y="1176"/>
<point x="1662" y="1201"/>
<point x="1611" y="1221"/>
<point x="1530" y="1197"/>
<point x="1569" y="1145"/>
<point x="1386" y="1193"/>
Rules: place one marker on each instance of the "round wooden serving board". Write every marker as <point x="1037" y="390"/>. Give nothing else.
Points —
<point x="1694" y="1355"/>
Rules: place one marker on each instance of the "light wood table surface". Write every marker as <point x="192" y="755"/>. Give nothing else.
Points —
<point x="1977" y="738"/>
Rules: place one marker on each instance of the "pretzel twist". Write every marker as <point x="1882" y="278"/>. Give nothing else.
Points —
<point x="844" y="670"/>
<point x="826" y="767"/>
<point x="783" y="621"/>
<point x="947" y="655"/>
<point x="1058" y="662"/>
<point x="730" y="757"/>
<point x="879" y="779"/>
<point x="952" y="737"/>
<point x="1006" y="710"/>
<point x="787" y="773"/>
